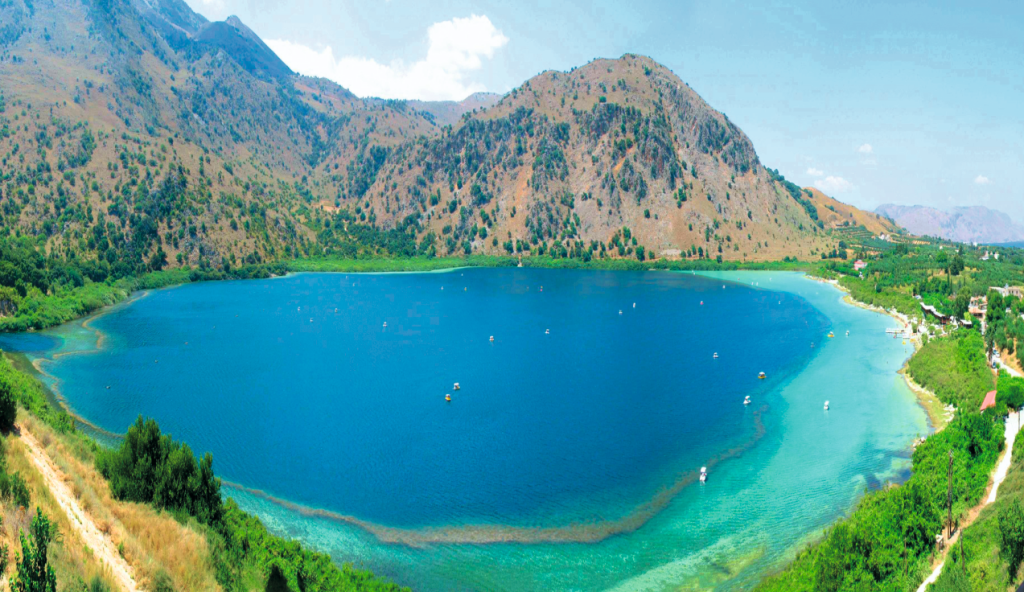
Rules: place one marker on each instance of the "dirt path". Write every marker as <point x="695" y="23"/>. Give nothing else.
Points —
<point x="1002" y="467"/>
<point x="100" y="544"/>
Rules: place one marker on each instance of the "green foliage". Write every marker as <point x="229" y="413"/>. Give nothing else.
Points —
<point x="966" y="386"/>
<point x="953" y="579"/>
<point x="1011" y="531"/>
<point x="31" y="395"/>
<point x="151" y="467"/>
<point x="8" y="406"/>
<point x="34" y="574"/>
<point x="1009" y="392"/>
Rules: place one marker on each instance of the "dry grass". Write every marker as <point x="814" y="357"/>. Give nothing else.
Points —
<point x="152" y="541"/>
<point x="72" y="561"/>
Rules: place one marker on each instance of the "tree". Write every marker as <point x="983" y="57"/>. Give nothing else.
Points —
<point x="34" y="575"/>
<point x="1011" y="534"/>
<point x="833" y="559"/>
<point x="8" y="406"/>
<point x="961" y="304"/>
<point x="956" y="265"/>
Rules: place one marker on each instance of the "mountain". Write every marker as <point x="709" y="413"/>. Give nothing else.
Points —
<point x="449" y="112"/>
<point x="835" y="214"/>
<point x="969" y="225"/>
<point x="136" y="135"/>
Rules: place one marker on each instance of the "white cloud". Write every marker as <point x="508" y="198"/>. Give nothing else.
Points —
<point x="212" y="4"/>
<point x="866" y="149"/>
<point x="455" y="48"/>
<point x="832" y="184"/>
<point x="981" y="180"/>
<point x="815" y="172"/>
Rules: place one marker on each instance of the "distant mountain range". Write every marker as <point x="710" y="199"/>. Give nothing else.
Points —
<point x="138" y="133"/>
<point x="969" y="224"/>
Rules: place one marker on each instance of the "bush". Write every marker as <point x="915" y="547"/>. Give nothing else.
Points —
<point x="1011" y="534"/>
<point x="8" y="407"/>
<point x="150" y="467"/>
<point x="34" y="574"/>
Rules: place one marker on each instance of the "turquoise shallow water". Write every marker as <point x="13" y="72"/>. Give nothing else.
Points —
<point x="579" y="445"/>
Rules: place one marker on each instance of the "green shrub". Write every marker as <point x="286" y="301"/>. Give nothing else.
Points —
<point x="34" y="573"/>
<point x="8" y="407"/>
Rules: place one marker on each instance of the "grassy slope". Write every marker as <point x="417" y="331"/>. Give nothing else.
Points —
<point x="986" y="570"/>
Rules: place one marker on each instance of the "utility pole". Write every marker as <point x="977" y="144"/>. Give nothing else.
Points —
<point x="949" y="498"/>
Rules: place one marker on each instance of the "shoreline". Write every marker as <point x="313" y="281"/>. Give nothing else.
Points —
<point x="937" y="413"/>
<point x="97" y="347"/>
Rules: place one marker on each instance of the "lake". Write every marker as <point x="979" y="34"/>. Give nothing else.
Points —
<point x="567" y="459"/>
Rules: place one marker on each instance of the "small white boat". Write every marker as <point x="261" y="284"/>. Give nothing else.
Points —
<point x="716" y="355"/>
<point x="492" y="338"/>
<point x="547" y="331"/>
<point x="826" y="405"/>
<point x="456" y="387"/>
<point x="634" y="305"/>
<point x="703" y="474"/>
<point x="310" y="320"/>
<point x="847" y="332"/>
<point x="385" y="324"/>
<point x="620" y="312"/>
<point x="746" y="401"/>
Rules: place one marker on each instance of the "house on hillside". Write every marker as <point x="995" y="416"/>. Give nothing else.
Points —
<point x="1015" y="291"/>
<point x="934" y="312"/>
<point x="978" y="306"/>
<point x="990" y="401"/>
<point x="859" y="265"/>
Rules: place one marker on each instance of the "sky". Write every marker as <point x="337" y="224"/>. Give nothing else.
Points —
<point x="914" y="103"/>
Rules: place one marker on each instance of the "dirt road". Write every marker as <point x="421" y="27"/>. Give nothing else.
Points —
<point x="100" y="544"/>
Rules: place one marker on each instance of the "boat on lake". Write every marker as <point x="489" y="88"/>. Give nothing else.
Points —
<point x="703" y="474"/>
<point x="762" y="376"/>
<point x="746" y="400"/>
<point x="448" y="398"/>
<point x="456" y="387"/>
<point x="826" y="405"/>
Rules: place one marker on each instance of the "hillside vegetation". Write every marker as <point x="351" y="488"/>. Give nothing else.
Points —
<point x="137" y="137"/>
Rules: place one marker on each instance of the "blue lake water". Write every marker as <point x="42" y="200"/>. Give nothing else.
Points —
<point x="568" y="458"/>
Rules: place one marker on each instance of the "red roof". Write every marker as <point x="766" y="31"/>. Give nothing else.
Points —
<point x="990" y="400"/>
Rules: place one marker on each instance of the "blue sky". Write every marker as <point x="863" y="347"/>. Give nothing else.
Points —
<point x="873" y="102"/>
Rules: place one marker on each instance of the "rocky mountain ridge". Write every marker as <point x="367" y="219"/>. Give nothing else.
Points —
<point x="139" y="135"/>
